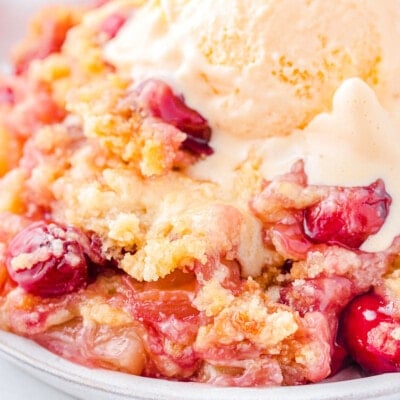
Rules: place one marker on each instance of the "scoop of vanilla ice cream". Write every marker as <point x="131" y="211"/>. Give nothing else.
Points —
<point x="262" y="68"/>
<point x="281" y="81"/>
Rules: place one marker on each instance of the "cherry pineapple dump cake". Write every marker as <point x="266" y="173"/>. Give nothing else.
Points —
<point x="144" y="233"/>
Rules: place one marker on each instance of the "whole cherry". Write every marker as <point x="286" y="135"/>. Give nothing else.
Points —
<point x="50" y="259"/>
<point x="371" y="333"/>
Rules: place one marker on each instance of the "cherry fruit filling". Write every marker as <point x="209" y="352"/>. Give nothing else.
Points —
<point x="371" y="334"/>
<point x="347" y="216"/>
<point x="161" y="102"/>
<point x="50" y="259"/>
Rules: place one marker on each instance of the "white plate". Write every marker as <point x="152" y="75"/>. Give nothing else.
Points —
<point x="20" y="385"/>
<point x="96" y="384"/>
<point x="87" y="384"/>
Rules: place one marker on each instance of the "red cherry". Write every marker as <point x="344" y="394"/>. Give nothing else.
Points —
<point x="49" y="259"/>
<point x="112" y="24"/>
<point x="347" y="216"/>
<point x="98" y="3"/>
<point x="371" y="334"/>
<point x="7" y="95"/>
<point x="161" y="102"/>
<point x="49" y="38"/>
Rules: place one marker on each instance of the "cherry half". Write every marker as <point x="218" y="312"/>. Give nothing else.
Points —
<point x="161" y="102"/>
<point x="112" y="24"/>
<point x="347" y="216"/>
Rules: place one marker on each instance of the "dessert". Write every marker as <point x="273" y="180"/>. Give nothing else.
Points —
<point x="200" y="194"/>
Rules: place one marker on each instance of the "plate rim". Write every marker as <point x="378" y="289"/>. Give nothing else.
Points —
<point x="32" y="357"/>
